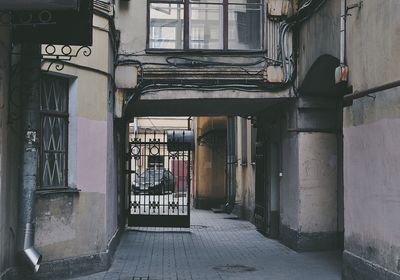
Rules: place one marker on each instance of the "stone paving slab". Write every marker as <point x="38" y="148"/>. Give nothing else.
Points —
<point x="216" y="247"/>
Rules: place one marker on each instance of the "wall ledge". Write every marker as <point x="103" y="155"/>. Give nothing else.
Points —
<point x="42" y="192"/>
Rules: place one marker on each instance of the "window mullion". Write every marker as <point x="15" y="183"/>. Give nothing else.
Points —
<point x="186" y="25"/>
<point x="225" y="24"/>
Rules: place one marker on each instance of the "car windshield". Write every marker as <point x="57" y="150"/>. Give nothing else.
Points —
<point x="152" y="174"/>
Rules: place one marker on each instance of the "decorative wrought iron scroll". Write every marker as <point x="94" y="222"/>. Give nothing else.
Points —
<point x="57" y="55"/>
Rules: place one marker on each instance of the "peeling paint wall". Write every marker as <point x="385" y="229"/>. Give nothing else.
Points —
<point x="70" y="225"/>
<point x="245" y="171"/>
<point x="210" y="162"/>
<point x="74" y="224"/>
<point x="317" y="182"/>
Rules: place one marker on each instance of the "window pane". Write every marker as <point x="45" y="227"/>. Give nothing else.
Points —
<point x="53" y="170"/>
<point x="244" y="30"/>
<point x="166" y="26"/>
<point x="53" y="133"/>
<point x="53" y="94"/>
<point x="206" y="1"/>
<point x="53" y="159"/>
<point x="244" y="1"/>
<point x="206" y="26"/>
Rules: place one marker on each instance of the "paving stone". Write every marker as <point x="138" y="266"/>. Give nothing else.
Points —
<point x="216" y="247"/>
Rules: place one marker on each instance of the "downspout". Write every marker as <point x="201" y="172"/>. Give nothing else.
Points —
<point x="342" y="71"/>
<point x="231" y="160"/>
<point x="343" y="15"/>
<point x="29" y="171"/>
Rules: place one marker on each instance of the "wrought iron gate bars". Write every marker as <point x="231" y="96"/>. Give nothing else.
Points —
<point x="159" y="182"/>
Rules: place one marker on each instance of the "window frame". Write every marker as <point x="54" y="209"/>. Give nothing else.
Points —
<point x="186" y="28"/>
<point x="56" y="114"/>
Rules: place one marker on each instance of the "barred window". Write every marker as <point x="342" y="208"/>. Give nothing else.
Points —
<point x="54" y="131"/>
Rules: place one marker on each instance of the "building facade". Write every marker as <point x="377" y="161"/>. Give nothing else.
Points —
<point x="296" y="122"/>
<point x="77" y="215"/>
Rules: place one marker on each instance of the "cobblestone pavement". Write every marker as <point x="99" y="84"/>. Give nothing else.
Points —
<point x="216" y="247"/>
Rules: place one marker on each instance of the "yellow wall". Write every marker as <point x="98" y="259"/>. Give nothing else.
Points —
<point x="210" y="159"/>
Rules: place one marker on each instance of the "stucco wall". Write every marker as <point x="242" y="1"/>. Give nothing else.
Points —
<point x="317" y="182"/>
<point x="245" y="173"/>
<point x="77" y="224"/>
<point x="318" y="36"/>
<point x="210" y="162"/>
<point x="289" y="192"/>
<point x="308" y="186"/>
<point x="371" y="133"/>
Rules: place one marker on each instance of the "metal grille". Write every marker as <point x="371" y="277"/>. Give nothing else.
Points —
<point x="159" y="180"/>
<point x="273" y="40"/>
<point x="54" y="131"/>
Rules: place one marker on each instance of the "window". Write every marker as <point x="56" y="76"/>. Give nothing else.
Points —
<point x="54" y="131"/>
<point x="155" y="162"/>
<point x="205" y="24"/>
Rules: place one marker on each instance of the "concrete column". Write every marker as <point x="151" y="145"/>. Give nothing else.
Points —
<point x="309" y="212"/>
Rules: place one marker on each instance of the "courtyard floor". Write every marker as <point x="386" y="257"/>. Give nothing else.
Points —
<point x="217" y="246"/>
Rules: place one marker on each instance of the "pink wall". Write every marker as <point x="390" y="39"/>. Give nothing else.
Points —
<point x="91" y="155"/>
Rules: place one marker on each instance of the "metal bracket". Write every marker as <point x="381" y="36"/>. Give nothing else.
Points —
<point x="58" y="54"/>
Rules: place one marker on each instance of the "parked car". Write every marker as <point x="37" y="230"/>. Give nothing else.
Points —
<point x="154" y="181"/>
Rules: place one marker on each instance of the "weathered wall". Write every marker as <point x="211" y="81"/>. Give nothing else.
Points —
<point x="317" y="182"/>
<point x="76" y="224"/>
<point x="192" y="102"/>
<point x="68" y="226"/>
<point x="289" y="191"/>
<point x="210" y="162"/>
<point x="308" y="187"/>
<point x="371" y="152"/>
<point x="245" y="173"/>
<point x="9" y="158"/>
<point x="318" y="36"/>
<point x="309" y="184"/>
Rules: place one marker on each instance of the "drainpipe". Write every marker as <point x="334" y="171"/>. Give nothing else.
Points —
<point x="342" y="71"/>
<point x="343" y="15"/>
<point x="231" y="160"/>
<point x="29" y="171"/>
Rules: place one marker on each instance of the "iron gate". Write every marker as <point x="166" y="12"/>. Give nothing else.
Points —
<point x="159" y="179"/>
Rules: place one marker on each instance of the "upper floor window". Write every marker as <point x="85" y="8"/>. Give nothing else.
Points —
<point x="54" y="131"/>
<point x="205" y="24"/>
